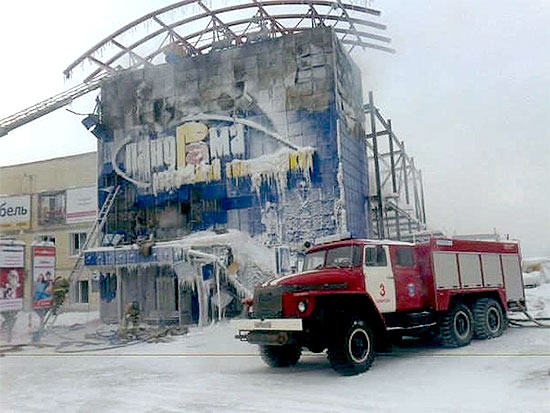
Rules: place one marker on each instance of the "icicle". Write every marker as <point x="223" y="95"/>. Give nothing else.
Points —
<point x="339" y="205"/>
<point x="202" y="297"/>
<point x="273" y="168"/>
<point x="217" y="269"/>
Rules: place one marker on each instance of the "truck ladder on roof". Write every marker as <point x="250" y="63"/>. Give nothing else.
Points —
<point x="47" y="106"/>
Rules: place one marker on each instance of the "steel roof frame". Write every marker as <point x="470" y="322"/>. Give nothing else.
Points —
<point x="222" y="26"/>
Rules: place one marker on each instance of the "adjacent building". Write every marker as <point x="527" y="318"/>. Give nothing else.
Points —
<point x="51" y="203"/>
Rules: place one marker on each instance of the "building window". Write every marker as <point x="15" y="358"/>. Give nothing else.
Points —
<point x="83" y="289"/>
<point x="38" y="238"/>
<point x="76" y="242"/>
<point x="107" y="287"/>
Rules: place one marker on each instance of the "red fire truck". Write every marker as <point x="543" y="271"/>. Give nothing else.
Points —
<point x="354" y="296"/>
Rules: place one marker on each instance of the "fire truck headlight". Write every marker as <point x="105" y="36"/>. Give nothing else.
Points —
<point x="302" y="306"/>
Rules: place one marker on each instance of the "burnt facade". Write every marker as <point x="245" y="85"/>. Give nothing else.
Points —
<point x="263" y="140"/>
<point x="266" y="138"/>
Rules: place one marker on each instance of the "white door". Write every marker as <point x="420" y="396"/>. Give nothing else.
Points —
<point x="379" y="277"/>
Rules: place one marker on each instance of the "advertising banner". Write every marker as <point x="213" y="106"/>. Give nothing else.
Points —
<point x="11" y="289"/>
<point x="51" y="208"/>
<point x="12" y="262"/>
<point x="81" y="204"/>
<point x="15" y="212"/>
<point x="43" y="270"/>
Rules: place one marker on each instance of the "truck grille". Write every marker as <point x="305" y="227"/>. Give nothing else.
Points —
<point x="267" y="302"/>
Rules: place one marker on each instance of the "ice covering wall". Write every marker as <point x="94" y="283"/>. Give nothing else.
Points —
<point x="266" y="138"/>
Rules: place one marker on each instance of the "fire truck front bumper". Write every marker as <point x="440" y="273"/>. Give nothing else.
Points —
<point x="274" y="332"/>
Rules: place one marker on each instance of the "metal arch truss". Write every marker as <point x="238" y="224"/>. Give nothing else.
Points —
<point x="396" y="192"/>
<point x="194" y="27"/>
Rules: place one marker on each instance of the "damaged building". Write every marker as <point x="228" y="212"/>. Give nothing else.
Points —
<point x="214" y="168"/>
<point x="266" y="138"/>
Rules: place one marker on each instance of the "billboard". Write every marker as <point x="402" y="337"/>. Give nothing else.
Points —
<point x="81" y="205"/>
<point x="43" y="274"/>
<point x="12" y="259"/>
<point x="51" y="208"/>
<point x="15" y="212"/>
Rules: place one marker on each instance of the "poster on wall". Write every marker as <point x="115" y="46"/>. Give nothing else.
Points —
<point x="43" y="274"/>
<point x="12" y="261"/>
<point x="51" y="208"/>
<point x="15" y="212"/>
<point x="81" y="205"/>
<point x="11" y="289"/>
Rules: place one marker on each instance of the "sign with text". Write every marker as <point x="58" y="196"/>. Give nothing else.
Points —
<point x="15" y="212"/>
<point x="12" y="256"/>
<point x="43" y="274"/>
<point x="81" y="204"/>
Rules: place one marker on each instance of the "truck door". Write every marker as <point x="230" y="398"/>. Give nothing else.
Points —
<point x="407" y="279"/>
<point x="379" y="280"/>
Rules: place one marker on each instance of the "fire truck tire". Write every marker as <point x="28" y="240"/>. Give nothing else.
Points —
<point x="457" y="326"/>
<point x="352" y="351"/>
<point x="280" y="356"/>
<point x="489" y="320"/>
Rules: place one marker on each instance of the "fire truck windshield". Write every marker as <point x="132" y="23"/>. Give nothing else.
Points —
<point x="348" y="256"/>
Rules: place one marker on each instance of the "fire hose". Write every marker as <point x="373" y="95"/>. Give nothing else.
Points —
<point x="516" y="322"/>
<point x="113" y="339"/>
<point x="102" y="340"/>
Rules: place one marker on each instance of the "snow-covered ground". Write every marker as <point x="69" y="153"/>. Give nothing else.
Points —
<point x="208" y="370"/>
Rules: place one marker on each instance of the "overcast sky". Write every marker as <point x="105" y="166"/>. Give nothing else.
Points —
<point x="468" y="91"/>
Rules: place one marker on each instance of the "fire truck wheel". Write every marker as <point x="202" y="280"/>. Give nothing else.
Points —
<point x="280" y="356"/>
<point x="352" y="351"/>
<point x="488" y="319"/>
<point x="457" y="327"/>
